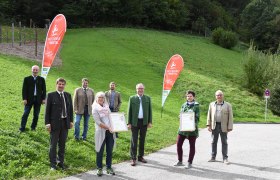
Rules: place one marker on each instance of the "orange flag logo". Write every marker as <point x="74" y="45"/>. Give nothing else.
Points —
<point x="54" y="37"/>
<point x="172" y="71"/>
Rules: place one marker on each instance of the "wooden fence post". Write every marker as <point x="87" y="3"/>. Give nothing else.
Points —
<point x="36" y="41"/>
<point x="20" y="37"/>
<point x="13" y="34"/>
<point x="0" y="33"/>
<point x="30" y="23"/>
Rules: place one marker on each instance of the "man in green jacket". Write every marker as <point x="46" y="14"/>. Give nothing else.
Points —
<point x="139" y="119"/>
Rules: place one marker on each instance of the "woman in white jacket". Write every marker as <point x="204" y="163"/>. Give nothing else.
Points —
<point x="103" y="133"/>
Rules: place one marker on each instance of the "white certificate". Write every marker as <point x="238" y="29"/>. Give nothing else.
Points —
<point x="118" y="122"/>
<point x="187" y="122"/>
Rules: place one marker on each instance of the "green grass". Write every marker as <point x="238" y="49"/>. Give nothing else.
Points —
<point x="126" y="56"/>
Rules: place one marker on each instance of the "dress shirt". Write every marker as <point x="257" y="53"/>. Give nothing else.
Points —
<point x="140" y="114"/>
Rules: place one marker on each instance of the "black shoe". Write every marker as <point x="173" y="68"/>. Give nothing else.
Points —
<point x="141" y="159"/>
<point x="61" y="165"/>
<point x="21" y="130"/>
<point x="33" y="129"/>
<point x="133" y="162"/>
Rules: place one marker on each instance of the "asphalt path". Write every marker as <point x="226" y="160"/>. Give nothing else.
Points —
<point x="254" y="153"/>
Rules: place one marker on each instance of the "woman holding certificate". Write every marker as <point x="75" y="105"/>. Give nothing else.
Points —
<point x="103" y="133"/>
<point x="189" y="116"/>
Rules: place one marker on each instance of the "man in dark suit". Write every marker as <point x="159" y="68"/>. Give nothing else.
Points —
<point x="58" y="119"/>
<point x="139" y="119"/>
<point x="33" y="94"/>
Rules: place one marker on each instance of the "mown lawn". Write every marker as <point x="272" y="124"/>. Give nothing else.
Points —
<point x="126" y="56"/>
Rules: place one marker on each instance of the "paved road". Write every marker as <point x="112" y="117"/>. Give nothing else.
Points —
<point x="254" y="153"/>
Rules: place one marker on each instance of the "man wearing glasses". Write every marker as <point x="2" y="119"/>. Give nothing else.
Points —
<point x="219" y="122"/>
<point x="139" y="119"/>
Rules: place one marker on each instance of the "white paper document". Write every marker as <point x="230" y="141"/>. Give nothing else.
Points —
<point x="118" y="122"/>
<point x="187" y="121"/>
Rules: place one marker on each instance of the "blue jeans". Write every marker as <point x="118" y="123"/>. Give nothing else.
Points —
<point x="77" y="124"/>
<point x="109" y="141"/>
<point x="36" y="112"/>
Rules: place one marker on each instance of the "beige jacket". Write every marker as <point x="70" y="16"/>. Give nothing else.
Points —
<point x="117" y="100"/>
<point x="226" y="119"/>
<point x="79" y="100"/>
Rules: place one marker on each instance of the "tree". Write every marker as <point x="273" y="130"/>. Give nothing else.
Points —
<point x="260" y="23"/>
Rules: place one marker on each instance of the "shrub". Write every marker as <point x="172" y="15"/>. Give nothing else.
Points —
<point x="261" y="70"/>
<point x="254" y="68"/>
<point x="226" y="39"/>
<point x="274" y="100"/>
<point x="216" y="35"/>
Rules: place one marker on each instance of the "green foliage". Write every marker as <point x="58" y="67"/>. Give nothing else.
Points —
<point x="226" y="39"/>
<point x="217" y="34"/>
<point x="195" y="15"/>
<point x="126" y="56"/>
<point x="261" y="70"/>
<point x="275" y="99"/>
<point x="260" y="23"/>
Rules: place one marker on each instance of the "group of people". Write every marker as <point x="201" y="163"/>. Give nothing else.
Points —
<point x="59" y="119"/>
<point x="219" y="123"/>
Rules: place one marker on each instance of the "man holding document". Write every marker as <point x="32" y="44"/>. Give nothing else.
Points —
<point x="189" y="119"/>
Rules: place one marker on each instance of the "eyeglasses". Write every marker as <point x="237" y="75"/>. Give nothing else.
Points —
<point x="219" y="95"/>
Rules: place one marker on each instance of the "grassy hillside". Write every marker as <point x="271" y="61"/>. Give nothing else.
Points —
<point x="126" y="56"/>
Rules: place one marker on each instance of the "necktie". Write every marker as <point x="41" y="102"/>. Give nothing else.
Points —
<point x="35" y="89"/>
<point x="63" y="105"/>
<point x="86" y="99"/>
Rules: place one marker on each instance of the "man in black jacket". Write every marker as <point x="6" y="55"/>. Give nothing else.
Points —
<point x="33" y="94"/>
<point x="58" y="119"/>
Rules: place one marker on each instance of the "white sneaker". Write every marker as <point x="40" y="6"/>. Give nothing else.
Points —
<point x="188" y="166"/>
<point x="226" y="161"/>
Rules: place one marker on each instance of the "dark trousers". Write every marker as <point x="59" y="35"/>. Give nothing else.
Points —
<point x="215" y="135"/>
<point x="180" y="142"/>
<point x="36" y="111"/>
<point x="142" y="129"/>
<point x="109" y="141"/>
<point x="58" y="137"/>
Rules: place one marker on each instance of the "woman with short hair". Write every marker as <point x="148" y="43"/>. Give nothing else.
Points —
<point x="189" y="106"/>
<point x="103" y="133"/>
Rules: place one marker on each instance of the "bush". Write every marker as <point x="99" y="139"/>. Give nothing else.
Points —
<point x="226" y="39"/>
<point x="217" y="34"/>
<point x="254" y="68"/>
<point x="274" y="100"/>
<point x="261" y="70"/>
